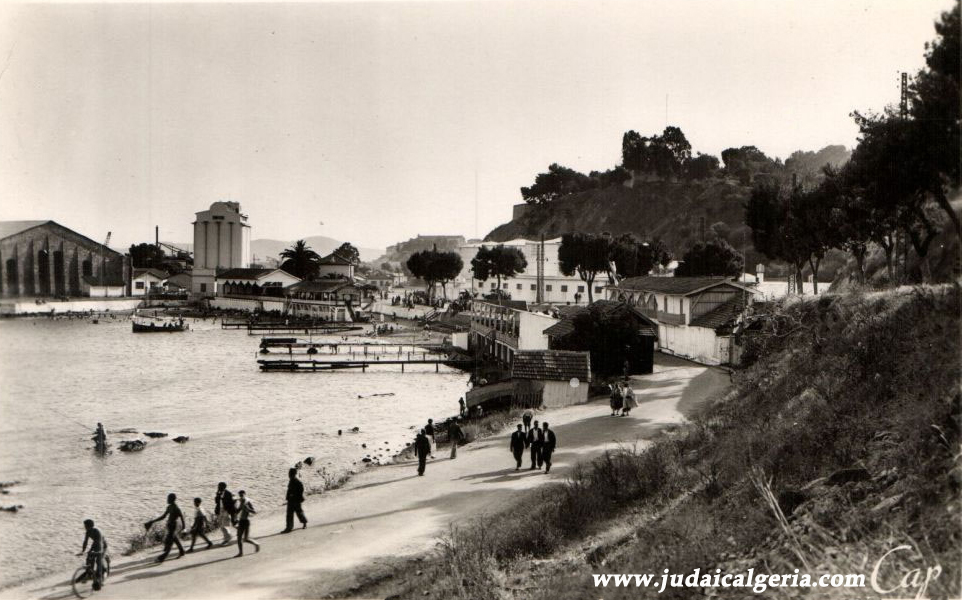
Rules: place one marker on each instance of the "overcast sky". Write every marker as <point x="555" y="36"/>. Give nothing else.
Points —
<point x="385" y="120"/>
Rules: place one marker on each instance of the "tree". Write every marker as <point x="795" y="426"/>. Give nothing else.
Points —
<point x="585" y="254"/>
<point x="715" y="258"/>
<point x="499" y="261"/>
<point x="664" y="155"/>
<point x="349" y="252"/>
<point x="147" y="256"/>
<point x="435" y="267"/>
<point x="631" y="256"/>
<point x="558" y="181"/>
<point x="702" y="166"/>
<point x="768" y="215"/>
<point x="607" y="333"/>
<point x="299" y="260"/>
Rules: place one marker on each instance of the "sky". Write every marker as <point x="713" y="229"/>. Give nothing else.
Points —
<point x="373" y="122"/>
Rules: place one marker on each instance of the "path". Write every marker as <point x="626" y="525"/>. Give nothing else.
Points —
<point x="389" y="511"/>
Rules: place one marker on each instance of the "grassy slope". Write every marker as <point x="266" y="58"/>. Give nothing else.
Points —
<point x="852" y="417"/>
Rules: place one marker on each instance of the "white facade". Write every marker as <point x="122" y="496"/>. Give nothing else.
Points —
<point x="222" y="240"/>
<point x="500" y="331"/>
<point x="145" y="282"/>
<point x="558" y="288"/>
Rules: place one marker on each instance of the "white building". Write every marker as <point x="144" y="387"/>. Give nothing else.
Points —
<point x="222" y="240"/>
<point x="254" y="282"/>
<point x="696" y="316"/>
<point x="500" y="330"/>
<point x="558" y="288"/>
<point x="144" y="281"/>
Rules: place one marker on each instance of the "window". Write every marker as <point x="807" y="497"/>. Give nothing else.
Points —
<point x="581" y="289"/>
<point x="493" y="285"/>
<point x="533" y="287"/>
<point x="505" y="286"/>
<point x="140" y="285"/>
<point x="547" y="288"/>
<point x="597" y="289"/>
<point x="203" y="288"/>
<point x="518" y="286"/>
<point x="564" y="288"/>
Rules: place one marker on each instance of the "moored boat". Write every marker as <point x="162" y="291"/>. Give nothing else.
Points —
<point x="159" y="327"/>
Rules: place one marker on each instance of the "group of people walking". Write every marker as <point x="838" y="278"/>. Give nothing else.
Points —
<point x="541" y="441"/>
<point x="425" y="442"/>
<point x="622" y="399"/>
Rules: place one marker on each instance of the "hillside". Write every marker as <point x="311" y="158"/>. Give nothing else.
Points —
<point x="673" y="212"/>
<point x="837" y="445"/>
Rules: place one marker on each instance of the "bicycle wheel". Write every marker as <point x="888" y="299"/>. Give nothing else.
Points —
<point x="83" y="583"/>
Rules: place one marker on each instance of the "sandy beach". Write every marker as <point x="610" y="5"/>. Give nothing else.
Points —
<point x="389" y="512"/>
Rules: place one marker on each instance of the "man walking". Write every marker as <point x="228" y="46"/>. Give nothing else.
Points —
<point x="199" y="527"/>
<point x="295" y="497"/>
<point x="172" y="514"/>
<point x="517" y="446"/>
<point x="422" y="448"/>
<point x="224" y="510"/>
<point x="429" y="431"/>
<point x="535" y="441"/>
<point x="455" y="435"/>
<point x="526" y="419"/>
<point x="548" y="449"/>
<point x="245" y="510"/>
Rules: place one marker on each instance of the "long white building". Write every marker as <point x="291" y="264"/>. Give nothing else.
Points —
<point x="222" y="240"/>
<point x="558" y="288"/>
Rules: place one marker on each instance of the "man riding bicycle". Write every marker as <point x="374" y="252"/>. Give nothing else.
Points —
<point x="95" y="558"/>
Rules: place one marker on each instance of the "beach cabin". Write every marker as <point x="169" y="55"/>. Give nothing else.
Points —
<point x="254" y="282"/>
<point x="696" y="316"/>
<point x="550" y="378"/>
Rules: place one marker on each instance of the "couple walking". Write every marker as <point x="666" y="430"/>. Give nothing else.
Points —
<point x="622" y="399"/>
<point x="542" y="442"/>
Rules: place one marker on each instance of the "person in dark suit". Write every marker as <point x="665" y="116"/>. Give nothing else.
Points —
<point x="422" y="449"/>
<point x="550" y="441"/>
<point x="535" y="441"/>
<point x="455" y="435"/>
<point x="518" y="443"/>
<point x="295" y="497"/>
<point x="224" y="510"/>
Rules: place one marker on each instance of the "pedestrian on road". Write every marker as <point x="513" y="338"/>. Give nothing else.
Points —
<point x="245" y="510"/>
<point x="422" y="448"/>
<point x="224" y="510"/>
<point x="630" y="401"/>
<point x="623" y="390"/>
<point x="462" y="409"/>
<point x="517" y="446"/>
<point x="526" y="417"/>
<point x="615" y="398"/>
<point x="172" y="514"/>
<point x="199" y="527"/>
<point x="535" y="441"/>
<point x="550" y="442"/>
<point x="429" y="431"/>
<point x="295" y="497"/>
<point x="455" y="435"/>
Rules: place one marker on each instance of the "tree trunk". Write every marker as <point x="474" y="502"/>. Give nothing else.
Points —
<point x="888" y="246"/>
<point x="944" y="203"/>
<point x="813" y="262"/>
<point x="799" y="280"/>
<point x="588" y="282"/>
<point x="860" y="262"/>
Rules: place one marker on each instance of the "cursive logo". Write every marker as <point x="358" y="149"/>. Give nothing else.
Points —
<point x="911" y="581"/>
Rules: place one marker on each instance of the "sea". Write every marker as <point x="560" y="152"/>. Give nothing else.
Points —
<point x="60" y="377"/>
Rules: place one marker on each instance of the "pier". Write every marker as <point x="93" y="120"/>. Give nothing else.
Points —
<point x="314" y="366"/>
<point x="351" y="348"/>
<point x="259" y="328"/>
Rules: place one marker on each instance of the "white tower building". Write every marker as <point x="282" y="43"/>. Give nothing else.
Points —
<point x="222" y="240"/>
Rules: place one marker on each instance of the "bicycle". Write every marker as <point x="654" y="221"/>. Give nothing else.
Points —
<point x="84" y="577"/>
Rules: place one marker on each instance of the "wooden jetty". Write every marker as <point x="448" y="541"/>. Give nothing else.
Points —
<point x="350" y="348"/>
<point x="260" y="328"/>
<point x="313" y="366"/>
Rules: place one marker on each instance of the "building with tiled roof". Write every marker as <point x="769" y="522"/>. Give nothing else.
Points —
<point x="335" y="265"/>
<point x="696" y="316"/>
<point x="254" y="281"/>
<point x="551" y="378"/>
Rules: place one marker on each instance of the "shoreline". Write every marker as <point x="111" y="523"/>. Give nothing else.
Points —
<point x="387" y="513"/>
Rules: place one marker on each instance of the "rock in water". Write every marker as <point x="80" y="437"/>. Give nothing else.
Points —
<point x="309" y="461"/>
<point x="132" y="445"/>
<point x="155" y="434"/>
<point x="180" y="439"/>
<point x="13" y="508"/>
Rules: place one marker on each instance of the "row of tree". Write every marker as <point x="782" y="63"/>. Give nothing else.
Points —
<point x="893" y="187"/>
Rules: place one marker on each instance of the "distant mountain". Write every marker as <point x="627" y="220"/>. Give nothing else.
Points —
<point x="270" y="249"/>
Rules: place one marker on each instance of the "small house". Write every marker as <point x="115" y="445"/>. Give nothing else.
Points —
<point x="147" y="281"/>
<point x="550" y="378"/>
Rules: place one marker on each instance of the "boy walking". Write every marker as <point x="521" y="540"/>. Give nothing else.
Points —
<point x="199" y="526"/>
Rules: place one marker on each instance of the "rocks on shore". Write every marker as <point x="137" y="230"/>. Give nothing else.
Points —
<point x="155" y="434"/>
<point x="182" y="439"/>
<point x="132" y="445"/>
<point x="12" y="508"/>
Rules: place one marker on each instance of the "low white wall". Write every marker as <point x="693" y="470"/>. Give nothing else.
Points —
<point x="58" y="307"/>
<point x="248" y="304"/>
<point x="560" y="393"/>
<point x="459" y="339"/>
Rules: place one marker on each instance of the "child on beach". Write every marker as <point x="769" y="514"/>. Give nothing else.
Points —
<point x="199" y="527"/>
<point x="245" y="510"/>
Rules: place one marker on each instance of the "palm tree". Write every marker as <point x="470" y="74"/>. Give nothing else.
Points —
<point x="299" y="260"/>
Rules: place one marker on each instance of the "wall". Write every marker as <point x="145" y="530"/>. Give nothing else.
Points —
<point x="103" y="305"/>
<point x="248" y="304"/>
<point x="695" y="343"/>
<point x="531" y="331"/>
<point x="560" y="393"/>
<point x="459" y="339"/>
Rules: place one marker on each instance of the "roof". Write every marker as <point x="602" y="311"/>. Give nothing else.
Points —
<point x="514" y="304"/>
<point x="321" y="285"/>
<point x="336" y="259"/>
<point x="723" y="316"/>
<point x="155" y="272"/>
<point x="109" y="281"/>
<point x="682" y="286"/>
<point x="180" y="279"/>
<point x="247" y="273"/>
<point x="551" y="365"/>
<point x="608" y="308"/>
<point x="8" y="228"/>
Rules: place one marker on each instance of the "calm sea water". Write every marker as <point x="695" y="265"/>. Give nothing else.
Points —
<point x="59" y="378"/>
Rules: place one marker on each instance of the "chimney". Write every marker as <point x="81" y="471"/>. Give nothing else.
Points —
<point x="760" y="273"/>
<point x="157" y="235"/>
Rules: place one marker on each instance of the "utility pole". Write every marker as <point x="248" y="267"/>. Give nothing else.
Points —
<point x="539" y="296"/>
